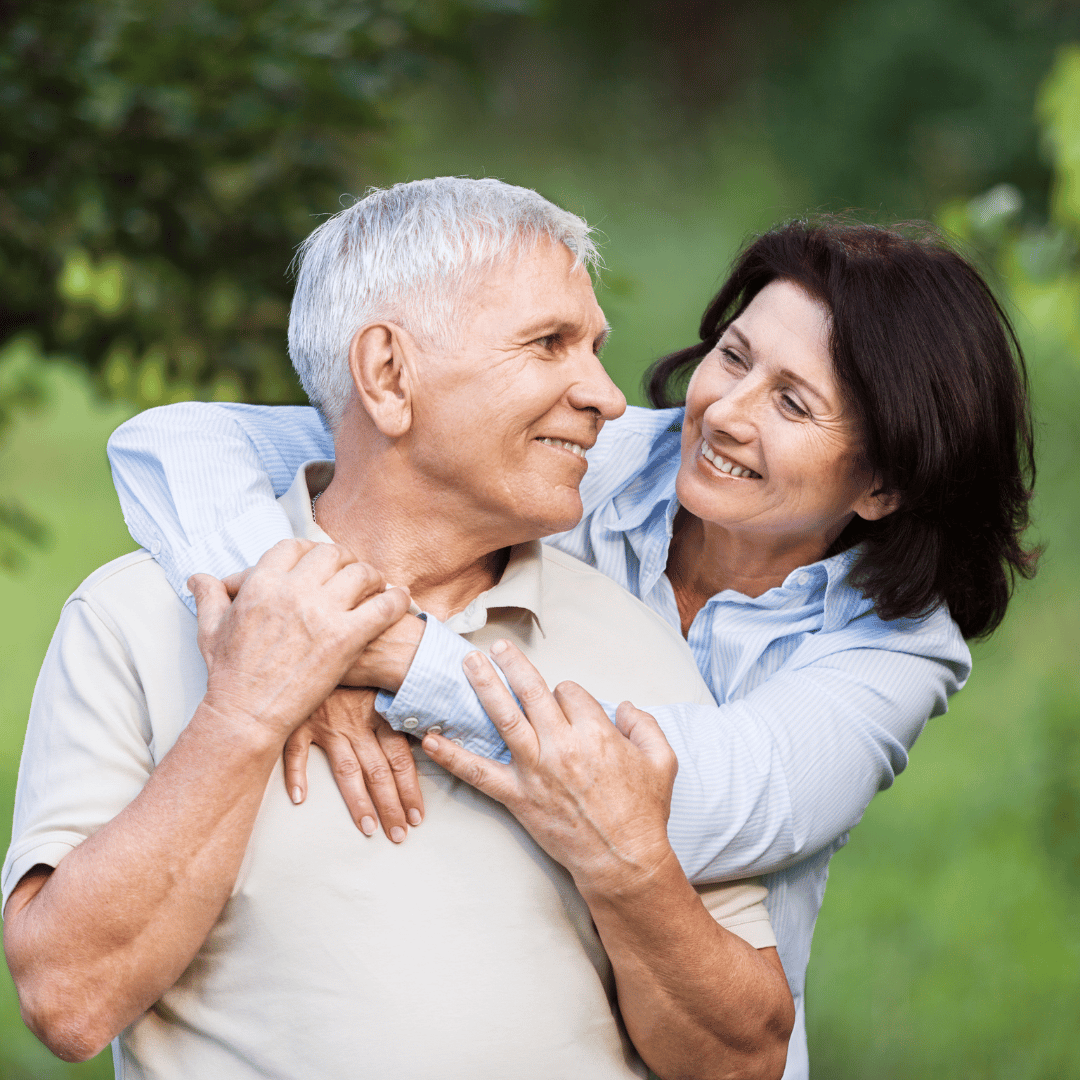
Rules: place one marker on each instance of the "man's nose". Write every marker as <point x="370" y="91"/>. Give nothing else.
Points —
<point x="595" y="390"/>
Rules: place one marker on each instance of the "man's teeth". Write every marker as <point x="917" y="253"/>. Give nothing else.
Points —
<point x="564" y="445"/>
<point x="724" y="465"/>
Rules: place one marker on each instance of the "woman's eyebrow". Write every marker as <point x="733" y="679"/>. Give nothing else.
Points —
<point x="743" y="339"/>
<point x="809" y="387"/>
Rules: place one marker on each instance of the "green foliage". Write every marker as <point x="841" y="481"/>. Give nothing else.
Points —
<point x="160" y="161"/>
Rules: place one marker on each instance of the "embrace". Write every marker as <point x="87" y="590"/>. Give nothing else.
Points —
<point x="748" y="599"/>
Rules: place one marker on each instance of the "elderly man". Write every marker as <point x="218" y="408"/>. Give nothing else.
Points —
<point x="162" y="890"/>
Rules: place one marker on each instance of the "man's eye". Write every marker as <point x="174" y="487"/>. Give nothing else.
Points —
<point x="548" y="341"/>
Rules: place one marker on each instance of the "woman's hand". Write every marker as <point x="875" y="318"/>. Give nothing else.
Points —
<point x="372" y="764"/>
<point x="594" y="795"/>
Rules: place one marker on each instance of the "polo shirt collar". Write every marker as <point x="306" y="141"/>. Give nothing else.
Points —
<point x="521" y="584"/>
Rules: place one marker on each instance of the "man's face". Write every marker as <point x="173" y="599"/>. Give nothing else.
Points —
<point x="491" y="421"/>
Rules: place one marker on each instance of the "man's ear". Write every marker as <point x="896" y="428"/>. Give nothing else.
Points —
<point x="876" y="502"/>
<point x="382" y="375"/>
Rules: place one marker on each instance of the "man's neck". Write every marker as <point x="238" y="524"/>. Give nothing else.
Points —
<point x="411" y="535"/>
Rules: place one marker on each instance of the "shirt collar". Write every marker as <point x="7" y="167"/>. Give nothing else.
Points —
<point x="521" y="584"/>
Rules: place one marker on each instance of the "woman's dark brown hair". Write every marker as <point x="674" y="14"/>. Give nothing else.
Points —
<point x="932" y="372"/>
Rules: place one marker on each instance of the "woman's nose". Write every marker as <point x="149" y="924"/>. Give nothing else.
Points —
<point x="733" y="411"/>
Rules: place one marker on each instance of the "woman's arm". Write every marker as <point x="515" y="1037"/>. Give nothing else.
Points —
<point x="763" y="781"/>
<point x="198" y="482"/>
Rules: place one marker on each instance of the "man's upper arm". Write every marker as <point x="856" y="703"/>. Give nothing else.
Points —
<point x="87" y="750"/>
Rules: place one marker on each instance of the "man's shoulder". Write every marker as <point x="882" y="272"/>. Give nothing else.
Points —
<point x="615" y="630"/>
<point x="131" y="587"/>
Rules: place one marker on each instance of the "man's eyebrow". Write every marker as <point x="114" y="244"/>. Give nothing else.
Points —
<point x="551" y="327"/>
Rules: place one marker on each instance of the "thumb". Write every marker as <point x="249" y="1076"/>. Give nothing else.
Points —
<point x="644" y="732"/>
<point x="211" y="603"/>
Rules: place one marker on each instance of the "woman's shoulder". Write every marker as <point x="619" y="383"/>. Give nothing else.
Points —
<point x="850" y="618"/>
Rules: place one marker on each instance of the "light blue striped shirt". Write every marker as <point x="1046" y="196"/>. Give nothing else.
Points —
<point x="818" y="699"/>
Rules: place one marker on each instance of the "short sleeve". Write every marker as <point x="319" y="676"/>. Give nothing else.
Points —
<point x="87" y="751"/>
<point x="739" y="906"/>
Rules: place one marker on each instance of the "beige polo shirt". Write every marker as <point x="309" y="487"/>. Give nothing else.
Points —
<point x="464" y="953"/>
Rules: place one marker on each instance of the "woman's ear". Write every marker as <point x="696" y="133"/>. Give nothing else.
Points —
<point x="876" y="502"/>
<point x="381" y="374"/>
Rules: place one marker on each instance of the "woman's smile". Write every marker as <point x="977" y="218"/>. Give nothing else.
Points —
<point x="726" y="465"/>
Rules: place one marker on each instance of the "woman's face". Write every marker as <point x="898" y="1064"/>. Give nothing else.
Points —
<point x="767" y="449"/>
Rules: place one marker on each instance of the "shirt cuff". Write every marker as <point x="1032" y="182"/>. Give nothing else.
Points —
<point x="435" y="693"/>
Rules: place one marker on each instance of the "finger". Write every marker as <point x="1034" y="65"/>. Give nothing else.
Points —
<point x="397" y="749"/>
<point x="381" y="784"/>
<point x="491" y="777"/>
<point x="349" y="777"/>
<point x="646" y="734"/>
<point x="211" y="604"/>
<point x="353" y="583"/>
<point x="296" y="759"/>
<point x="284" y="555"/>
<point x="532" y="691"/>
<point x="517" y="732"/>
<point x="234" y="581"/>
<point x="377" y="613"/>
<point x="579" y="706"/>
<point x="323" y="561"/>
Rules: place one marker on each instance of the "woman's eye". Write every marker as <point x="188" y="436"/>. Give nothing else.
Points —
<point x="732" y="358"/>
<point x="793" y="407"/>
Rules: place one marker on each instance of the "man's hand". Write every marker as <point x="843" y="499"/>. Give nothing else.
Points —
<point x="372" y="764"/>
<point x="387" y="658"/>
<point x="300" y="619"/>
<point x="595" y="796"/>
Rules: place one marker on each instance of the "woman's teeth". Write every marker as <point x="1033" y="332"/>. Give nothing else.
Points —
<point x="562" y="444"/>
<point x="726" y="466"/>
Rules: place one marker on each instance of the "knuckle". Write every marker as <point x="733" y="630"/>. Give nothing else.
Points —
<point x="377" y="772"/>
<point x="347" y="767"/>
<point x="531" y="692"/>
<point x="295" y="751"/>
<point x="473" y="773"/>
<point x="400" y="758"/>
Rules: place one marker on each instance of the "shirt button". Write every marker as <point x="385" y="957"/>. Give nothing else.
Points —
<point x="409" y="723"/>
<point x="155" y="548"/>
<point x="803" y="578"/>
<point x="458" y="742"/>
<point x="435" y="730"/>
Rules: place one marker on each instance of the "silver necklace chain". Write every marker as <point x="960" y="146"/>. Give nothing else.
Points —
<point x="314" y="500"/>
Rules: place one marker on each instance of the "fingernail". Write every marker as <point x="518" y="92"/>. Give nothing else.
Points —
<point x="498" y="647"/>
<point x="430" y="743"/>
<point x="472" y="662"/>
<point x="367" y="825"/>
<point x="297" y="796"/>
<point x="397" y="834"/>
<point x="414" y="816"/>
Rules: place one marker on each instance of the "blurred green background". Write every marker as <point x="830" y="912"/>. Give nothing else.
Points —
<point x="159" y="161"/>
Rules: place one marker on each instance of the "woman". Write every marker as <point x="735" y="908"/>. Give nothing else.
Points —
<point x="842" y="506"/>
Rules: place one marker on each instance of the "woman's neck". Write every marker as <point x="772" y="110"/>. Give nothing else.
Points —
<point x="705" y="559"/>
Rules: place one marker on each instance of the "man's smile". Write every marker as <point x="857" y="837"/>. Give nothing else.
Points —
<point x="564" y="444"/>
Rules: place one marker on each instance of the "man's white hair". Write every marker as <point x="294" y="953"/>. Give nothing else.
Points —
<point x="411" y="255"/>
